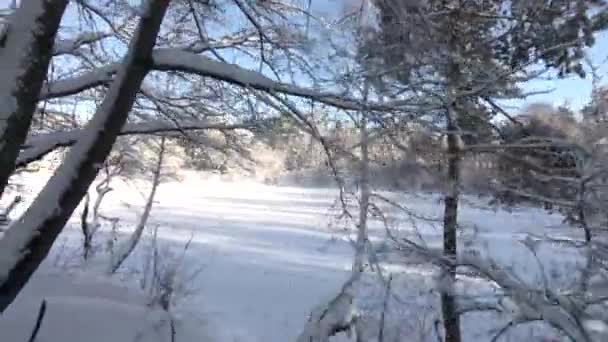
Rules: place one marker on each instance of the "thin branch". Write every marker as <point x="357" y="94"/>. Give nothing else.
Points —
<point x="39" y="319"/>
<point x="37" y="147"/>
<point x="167" y="59"/>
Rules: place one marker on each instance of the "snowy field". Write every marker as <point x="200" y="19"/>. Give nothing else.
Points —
<point x="260" y="258"/>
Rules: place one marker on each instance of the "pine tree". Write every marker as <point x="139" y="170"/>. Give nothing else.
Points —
<point x="459" y="56"/>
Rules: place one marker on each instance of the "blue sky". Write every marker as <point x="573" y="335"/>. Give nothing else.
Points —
<point x="572" y="90"/>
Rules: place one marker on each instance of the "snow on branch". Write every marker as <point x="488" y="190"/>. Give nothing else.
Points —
<point x="76" y="84"/>
<point x="25" y="53"/>
<point x="528" y="303"/>
<point x="127" y="248"/>
<point x="28" y="241"/>
<point x="167" y="59"/>
<point x="69" y="46"/>
<point x="179" y="60"/>
<point x="36" y="147"/>
<point x="339" y="314"/>
<point x="525" y="302"/>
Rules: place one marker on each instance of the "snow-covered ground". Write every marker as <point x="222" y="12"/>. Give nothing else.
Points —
<point x="260" y="259"/>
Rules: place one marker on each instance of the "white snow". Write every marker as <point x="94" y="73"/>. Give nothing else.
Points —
<point x="267" y="258"/>
<point x="16" y="49"/>
<point x="75" y="84"/>
<point x="13" y="245"/>
<point x="84" y="308"/>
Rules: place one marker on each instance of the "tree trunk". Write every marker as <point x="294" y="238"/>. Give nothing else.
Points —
<point x="85" y="228"/>
<point x="28" y="241"/>
<point x="364" y="191"/>
<point x="339" y="314"/>
<point x="25" y="52"/>
<point x="451" y="318"/>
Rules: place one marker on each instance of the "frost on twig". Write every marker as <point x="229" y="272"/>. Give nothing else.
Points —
<point x="38" y="146"/>
<point x="338" y="315"/>
<point x="128" y="246"/>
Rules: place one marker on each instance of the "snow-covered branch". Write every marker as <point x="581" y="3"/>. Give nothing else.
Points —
<point x="340" y="313"/>
<point x="76" y="84"/>
<point x="70" y="46"/>
<point x="167" y="59"/>
<point x="125" y="250"/>
<point x="337" y="315"/>
<point x="28" y="241"/>
<point x="524" y="302"/>
<point x="36" y="147"/>
<point x="25" y="53"/>
<point x="530" y="304"/>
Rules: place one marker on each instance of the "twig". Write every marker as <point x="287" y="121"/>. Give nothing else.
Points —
<point x="41" y="313"/>
<point x="507" y="327"/>
<point x="172" y="326"/>
<point x="384" y="308"/>
<point x="437" y="332"/>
